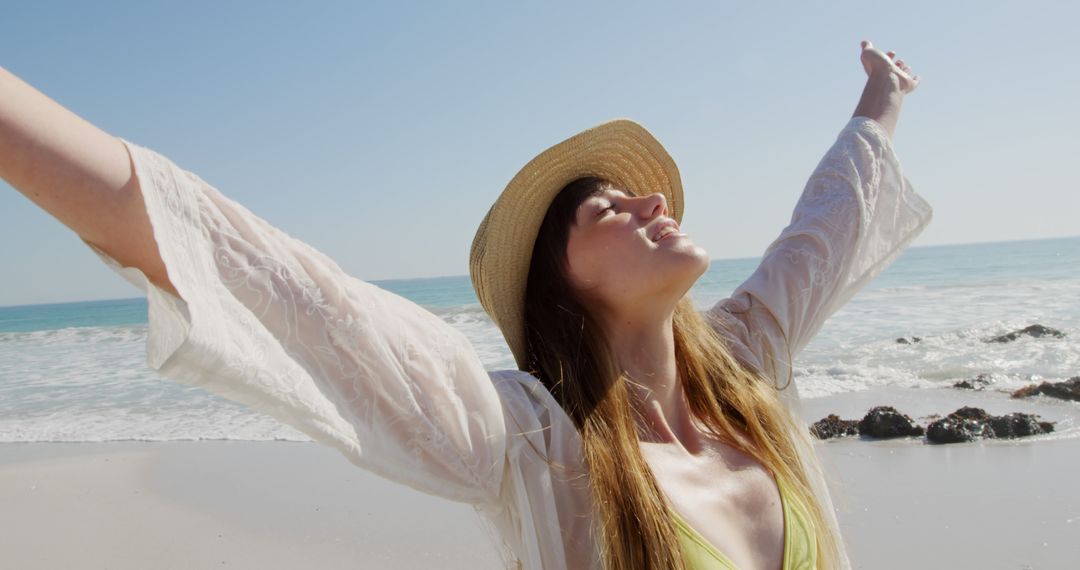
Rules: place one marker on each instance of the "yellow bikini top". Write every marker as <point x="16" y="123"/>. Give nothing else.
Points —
<point x="800" y="548"/>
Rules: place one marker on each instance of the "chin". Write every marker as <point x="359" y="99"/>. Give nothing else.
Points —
<point x="703" y="267"/>
<point x="701" y="258"/>
<point x="707" y="262"/>
<point x="694" y="267"/>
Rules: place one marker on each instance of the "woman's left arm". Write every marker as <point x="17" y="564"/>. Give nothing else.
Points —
<point x="888" y="80"/>
<point x="857" y="213"/>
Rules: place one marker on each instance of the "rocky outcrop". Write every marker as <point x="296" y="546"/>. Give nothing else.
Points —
<point x="969" y="424"/>
<point x="965" y="424"/>
<point x="1067" y="390"/>
<point x="832" y="426"/>
<point x="1019" y="425"/>
<point x="904" y="340"/>
<point x="1036" y="331"/>
<point x="885" y="422"/>
<point x="957" y="430"/>
<point x="980" y="382"/>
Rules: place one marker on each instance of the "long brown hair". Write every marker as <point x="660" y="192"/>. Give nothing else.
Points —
<point x="567" y="351"/>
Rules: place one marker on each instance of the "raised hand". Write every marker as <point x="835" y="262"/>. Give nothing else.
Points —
<point x="876" y="61"/>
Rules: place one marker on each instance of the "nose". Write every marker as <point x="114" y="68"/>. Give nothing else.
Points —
<point x="655" y="204"/>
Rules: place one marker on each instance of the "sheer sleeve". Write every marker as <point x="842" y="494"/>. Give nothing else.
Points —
<point x="855" y="216"/>
<point x="266" y="320"/>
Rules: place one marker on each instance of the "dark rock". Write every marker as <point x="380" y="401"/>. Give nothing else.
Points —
<point x="1034" y="330"/>
<point x="1027" y="391"/>
<point x="832" y="426"/>
<point x="1067" y="390"/>
<point x="885" y="422"/>
<point x="965" y="424"/>
<point x="969" y="424"/>
<point x="970" y="413"/>
<point x="1017" y="425"/>
<point x="952" y="429"/>
<point x="980" y="382"/>
<point x="904" y="340"/>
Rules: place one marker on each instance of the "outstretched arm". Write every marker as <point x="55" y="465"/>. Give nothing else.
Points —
<point x="78" y="173"/>
<point x="262" y="318"/>
<point x="856" y="215"/>
<point x="888" y="79"/>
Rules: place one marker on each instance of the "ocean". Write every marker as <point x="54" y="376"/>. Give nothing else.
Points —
<point x="77" y="372"/>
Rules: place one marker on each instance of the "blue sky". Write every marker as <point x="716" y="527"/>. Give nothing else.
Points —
<point x="381" y="134"/>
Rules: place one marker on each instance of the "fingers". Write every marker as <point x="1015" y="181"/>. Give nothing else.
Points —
<point x="892" y="54"/>
<point x="898" y="63"/>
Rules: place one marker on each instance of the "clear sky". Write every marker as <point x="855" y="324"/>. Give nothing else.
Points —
<point x="381" y="134"/>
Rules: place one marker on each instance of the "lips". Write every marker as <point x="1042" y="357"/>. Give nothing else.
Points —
<point x="661" y="226"/>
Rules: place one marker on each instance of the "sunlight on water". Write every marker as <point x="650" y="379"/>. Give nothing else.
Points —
<point x="78" y="372"/>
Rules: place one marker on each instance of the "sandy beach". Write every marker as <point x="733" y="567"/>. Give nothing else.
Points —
<point x="220" y="504"/>
<point x="229" y="504"/>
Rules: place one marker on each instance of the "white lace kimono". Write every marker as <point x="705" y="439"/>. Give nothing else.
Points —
<point x="266" y="320"/>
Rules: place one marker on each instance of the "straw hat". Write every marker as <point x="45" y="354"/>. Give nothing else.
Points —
<point x="621" y="151"/>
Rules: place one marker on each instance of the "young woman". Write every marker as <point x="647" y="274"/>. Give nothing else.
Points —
<point x="637" y="433"/>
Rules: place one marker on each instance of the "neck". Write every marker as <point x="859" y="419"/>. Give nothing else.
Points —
<point x="645" y="351"/>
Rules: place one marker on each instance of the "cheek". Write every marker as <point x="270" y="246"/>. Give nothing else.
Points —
<point x="605" y="262"/>
<point x="578" y="258"/>
<point x="586" y="260"/>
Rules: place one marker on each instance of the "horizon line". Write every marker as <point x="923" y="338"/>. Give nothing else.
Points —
<point x="466" y="275"/>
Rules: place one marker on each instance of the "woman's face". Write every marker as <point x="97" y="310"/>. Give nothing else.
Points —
<point x="615" y="260"/>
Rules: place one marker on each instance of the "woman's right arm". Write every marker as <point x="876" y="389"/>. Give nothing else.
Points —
<point x="268" y="321"/>
<point x="78" y="173"/>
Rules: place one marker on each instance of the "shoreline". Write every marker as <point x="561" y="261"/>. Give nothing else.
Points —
<point x="244" y="504"/>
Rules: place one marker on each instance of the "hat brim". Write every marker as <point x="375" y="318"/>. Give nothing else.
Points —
<point x="621" y="151"/>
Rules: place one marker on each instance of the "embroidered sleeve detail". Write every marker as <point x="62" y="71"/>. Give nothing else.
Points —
<point x="269" y="321"/>
<point x="856" y="215"/>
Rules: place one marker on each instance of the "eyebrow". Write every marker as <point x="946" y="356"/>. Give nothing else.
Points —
<point x="604" y="194"/>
